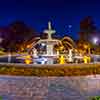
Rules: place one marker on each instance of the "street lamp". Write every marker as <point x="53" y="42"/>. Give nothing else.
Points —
<point x="95" y="40"/>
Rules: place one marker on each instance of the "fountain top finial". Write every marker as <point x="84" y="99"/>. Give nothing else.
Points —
<point x="49" y="25"/>
<point x="49" y="31"/>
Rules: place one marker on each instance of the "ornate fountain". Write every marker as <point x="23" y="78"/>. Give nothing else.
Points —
<point x="48" y="44"/>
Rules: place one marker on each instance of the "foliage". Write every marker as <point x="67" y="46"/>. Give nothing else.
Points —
<point x="87" y="27"/>
<point x="2" y="51"/>
<point x="47" y="70"/>
<point x="17" y="33"/>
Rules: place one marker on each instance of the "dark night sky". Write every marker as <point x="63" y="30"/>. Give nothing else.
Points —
<point x="36" y="13"/>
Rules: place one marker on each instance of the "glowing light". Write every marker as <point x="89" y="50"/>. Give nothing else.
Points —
<point x="70" y="26"/>
<point x="95" y="40"/>
<point x="9" y="57"/>
<point x="61" y="47"/>
<point x="86" y="59"/>
<point x="62" y="59"/>
<point x="43" y="44"/>
<point x="28" y="46"/>
<point x="41" y="60"/>
<point x="28" y="59"/>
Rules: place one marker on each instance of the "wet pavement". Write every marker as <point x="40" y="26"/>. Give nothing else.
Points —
<point x="49" y="88"/>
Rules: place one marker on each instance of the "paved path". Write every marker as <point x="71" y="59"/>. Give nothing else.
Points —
<point x="49" y="88"/>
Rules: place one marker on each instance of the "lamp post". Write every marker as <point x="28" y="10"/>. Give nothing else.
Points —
<point x="9" y="57"/>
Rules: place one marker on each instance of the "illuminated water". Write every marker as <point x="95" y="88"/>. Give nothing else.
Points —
<point x="39" y="60"/>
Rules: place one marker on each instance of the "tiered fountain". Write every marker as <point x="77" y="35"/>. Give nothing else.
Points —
<point x="49" y="53"/>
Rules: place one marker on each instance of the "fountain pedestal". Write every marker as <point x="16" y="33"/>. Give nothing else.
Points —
<point x="49" y="49"/>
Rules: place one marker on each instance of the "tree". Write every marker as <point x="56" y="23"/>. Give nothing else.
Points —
<point x="87" y="27"/>
<point x="19" y="33"/>
<point x="16" y="34"/>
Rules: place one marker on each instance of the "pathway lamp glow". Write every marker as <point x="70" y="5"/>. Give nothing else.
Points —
<point x="95" y="40"/>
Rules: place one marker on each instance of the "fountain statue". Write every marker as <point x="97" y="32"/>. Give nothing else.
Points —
<point x="62" y="59"/>
<point x="70" y="55"/>
<point x="44" y="50"/>
<point x="34" y="53"/>
<point x="49" y="44"/>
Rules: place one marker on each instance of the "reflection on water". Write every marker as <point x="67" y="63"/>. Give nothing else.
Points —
<point x="40" y="60"/>
<point x="44" y="60"/>
<point x="29" y="59"/>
